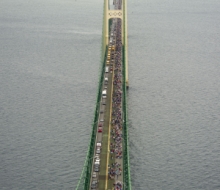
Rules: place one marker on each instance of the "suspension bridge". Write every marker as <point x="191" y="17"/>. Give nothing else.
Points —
<point x="107" y="164"/>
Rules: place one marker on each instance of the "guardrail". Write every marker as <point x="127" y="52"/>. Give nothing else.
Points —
<point x="84" y="181"/>
<point x="126" y="161"/>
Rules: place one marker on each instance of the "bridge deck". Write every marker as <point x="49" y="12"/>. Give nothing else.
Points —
<point x="110" y="118"/>
<point x="112" y="170"/>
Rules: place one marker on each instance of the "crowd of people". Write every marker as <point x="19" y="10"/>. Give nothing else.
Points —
<point x="118" y="185"/>
<point x="114" y="170"/>
<point x="116" y="149"/>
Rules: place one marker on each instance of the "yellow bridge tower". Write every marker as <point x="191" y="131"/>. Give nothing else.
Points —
<point x="121" y="14"/>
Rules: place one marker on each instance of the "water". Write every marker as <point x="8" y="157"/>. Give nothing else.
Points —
<point x="174" y="95"/>
<point x="50" y="60"/>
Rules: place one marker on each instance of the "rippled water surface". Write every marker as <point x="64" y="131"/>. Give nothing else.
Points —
<point x="49" y="71"/>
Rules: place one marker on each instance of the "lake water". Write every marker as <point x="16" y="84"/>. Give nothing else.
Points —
<point x="49" y="72"/>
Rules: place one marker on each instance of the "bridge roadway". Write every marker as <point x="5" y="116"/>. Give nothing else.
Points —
<point x="100" y="178"/>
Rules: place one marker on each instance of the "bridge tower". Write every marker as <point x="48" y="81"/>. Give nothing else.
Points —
<point x="122" y="14"/>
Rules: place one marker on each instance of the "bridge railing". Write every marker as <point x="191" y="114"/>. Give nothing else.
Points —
<point x="126" y="161"/>
<point x="84" y="181"/>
